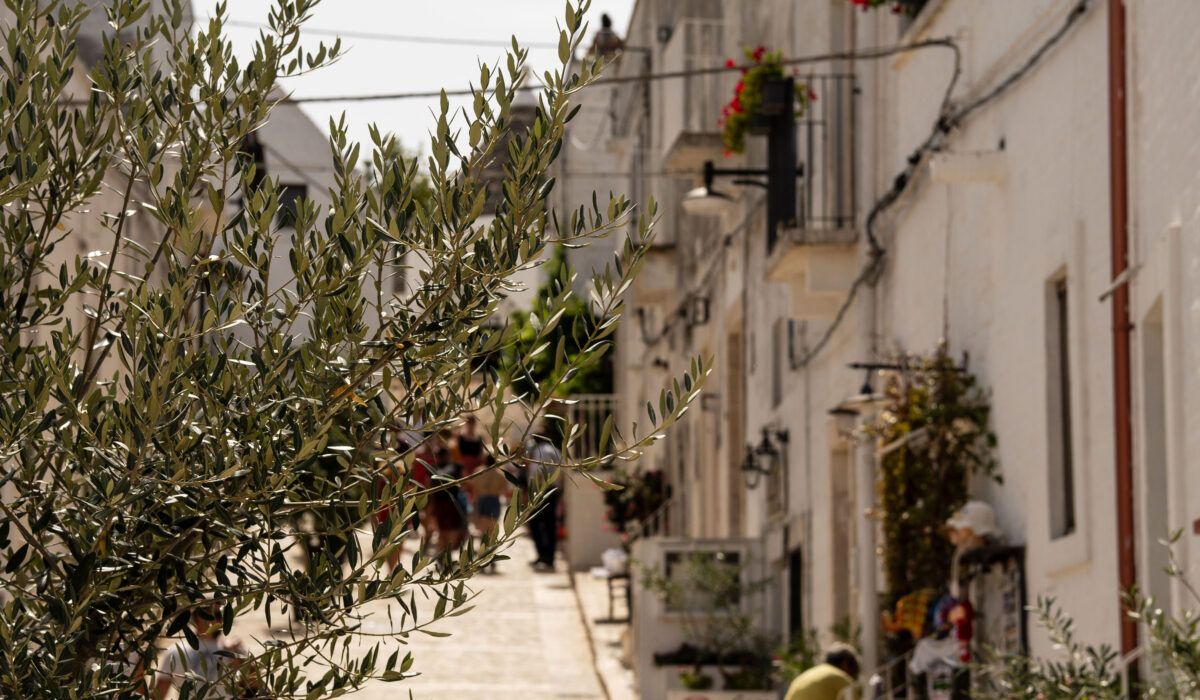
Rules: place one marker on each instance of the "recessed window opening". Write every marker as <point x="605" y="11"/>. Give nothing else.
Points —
<point x="1061" y="460"/>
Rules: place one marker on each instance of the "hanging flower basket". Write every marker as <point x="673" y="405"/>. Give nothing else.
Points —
<point x="763" y="92"/>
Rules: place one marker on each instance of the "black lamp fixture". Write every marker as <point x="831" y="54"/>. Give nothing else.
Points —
<point x="864" y="400"/>
<point x="764" y="458"/>
<point x="867" y="398"/>
<point x="776" y="118"/>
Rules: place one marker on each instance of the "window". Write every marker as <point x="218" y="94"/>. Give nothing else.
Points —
<point x="779" y="339"/>
<point x="841" y="527"/>
<point x="703" y="581"/>
<point x="1156" y="504"/>
<point x="1058" y="384"/>
<point x="289" y="202"/>
<point x="796" y="594"/>
<point x="735" y="379"/>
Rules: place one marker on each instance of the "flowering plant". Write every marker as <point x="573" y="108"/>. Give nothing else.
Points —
<point x="640" y="495"/>
<point x="906" y="7"/>
<point x="738" y="116"/>
<point x="695" y="679"/>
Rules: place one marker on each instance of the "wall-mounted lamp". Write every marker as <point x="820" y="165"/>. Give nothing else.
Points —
<point x="764" y="458"/>
<point x="865" y="400"/>
<point x="776" y="118"/>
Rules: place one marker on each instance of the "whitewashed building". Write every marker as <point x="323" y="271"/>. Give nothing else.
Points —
<point x="1000" y="241"/>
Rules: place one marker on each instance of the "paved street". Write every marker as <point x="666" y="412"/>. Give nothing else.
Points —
<point x="524" y="639"/>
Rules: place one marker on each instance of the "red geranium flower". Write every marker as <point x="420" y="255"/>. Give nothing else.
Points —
<point x="729" y="63"/>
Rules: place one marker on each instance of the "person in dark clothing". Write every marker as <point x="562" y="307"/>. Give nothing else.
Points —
<point x="447" y="503"/>
<point x="470" y="446"/>
<point x="542" y="460"/>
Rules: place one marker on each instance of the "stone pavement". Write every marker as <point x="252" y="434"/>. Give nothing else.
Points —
<point x="525" y="639"/>
<point x="607" y="634"/>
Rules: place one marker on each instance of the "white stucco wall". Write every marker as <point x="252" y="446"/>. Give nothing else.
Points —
<point x="1164" y="81"/>
<point x="970" y="261"/>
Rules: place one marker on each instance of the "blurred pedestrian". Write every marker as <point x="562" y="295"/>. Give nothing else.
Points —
<point x="447" y="502"/>
<point x="215" y="665"/>
<point x="827" y="680"/>
<point x="398" y="446"/>
<point x="542" y="461"/>
<point x="488" y="485"/>
<point x="470" y="446"/>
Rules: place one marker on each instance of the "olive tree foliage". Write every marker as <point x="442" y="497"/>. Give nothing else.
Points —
<point x="1168" y="658"/>
<point x="169" y="406"/>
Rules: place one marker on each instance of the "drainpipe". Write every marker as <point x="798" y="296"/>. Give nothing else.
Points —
<point x="864" y="487"/>
<point x="1122" y="405"/>
<point x="864" y="468"/>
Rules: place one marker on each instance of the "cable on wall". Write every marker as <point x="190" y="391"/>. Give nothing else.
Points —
<point x="948" y="119"/>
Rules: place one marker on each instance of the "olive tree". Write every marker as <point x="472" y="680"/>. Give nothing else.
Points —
<point x="171" y="401"/>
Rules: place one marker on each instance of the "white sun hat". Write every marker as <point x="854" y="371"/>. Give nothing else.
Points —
<point x="976" y="515"/>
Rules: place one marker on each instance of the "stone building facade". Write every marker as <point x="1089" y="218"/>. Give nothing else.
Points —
<point x="999" y="243"/>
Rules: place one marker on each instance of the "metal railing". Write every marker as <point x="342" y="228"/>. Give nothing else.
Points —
<point x="894" y="680"/>
<point x="591" y="411"/>
<point x="890" y="681"/>
<point x="825" y="147"/>
<point x="661" y="523"/>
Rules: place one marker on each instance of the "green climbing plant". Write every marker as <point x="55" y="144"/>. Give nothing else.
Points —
<point x="934" y="435"/>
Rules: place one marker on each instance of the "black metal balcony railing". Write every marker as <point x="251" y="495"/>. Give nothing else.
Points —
<point x="825" y="146"/>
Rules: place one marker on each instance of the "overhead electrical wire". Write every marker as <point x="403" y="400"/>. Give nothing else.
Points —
<point x="869" y="54"/>
<point x="398" y="38"/>
<point x="948" y="118"/>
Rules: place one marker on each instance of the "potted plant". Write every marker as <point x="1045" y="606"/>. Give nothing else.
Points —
<point x="764" y="90"/>
<point x="640" y="495"/>
<point x="695" y="679"/>
<point x="709" y="593"/>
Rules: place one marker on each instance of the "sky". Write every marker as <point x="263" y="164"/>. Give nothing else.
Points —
<point x="375" y="66"/>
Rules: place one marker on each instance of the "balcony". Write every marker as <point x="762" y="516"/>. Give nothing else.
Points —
<point x="818" y="254"/>
<point x="691" y="105"/>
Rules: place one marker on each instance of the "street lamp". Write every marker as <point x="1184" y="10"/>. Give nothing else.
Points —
<point x="766" y="450"/>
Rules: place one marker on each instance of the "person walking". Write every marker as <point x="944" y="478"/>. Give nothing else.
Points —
<point x="447" y="502"/>
<point x="542" y="460"/>
<point x="827" y="680"/>
<point x="487" y="486"/>
<point x="216" y="665"/>
<point x="471" y="453"/>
